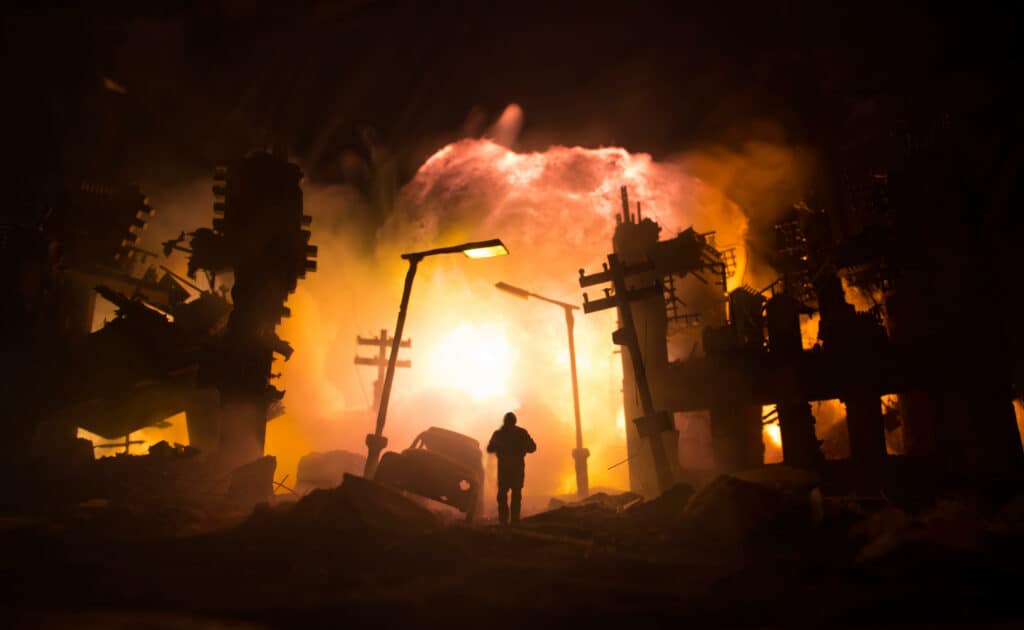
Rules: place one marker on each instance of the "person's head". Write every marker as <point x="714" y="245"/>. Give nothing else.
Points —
<point x="509" y="419"/>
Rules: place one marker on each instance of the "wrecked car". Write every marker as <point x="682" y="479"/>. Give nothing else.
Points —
<point x="441" y="465"/>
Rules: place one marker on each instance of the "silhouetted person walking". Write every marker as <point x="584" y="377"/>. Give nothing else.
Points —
<point x="511" y="444"/>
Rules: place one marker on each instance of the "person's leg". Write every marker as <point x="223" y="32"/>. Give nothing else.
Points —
<point x="517" y="500"/>
<point x="503" y="505"/>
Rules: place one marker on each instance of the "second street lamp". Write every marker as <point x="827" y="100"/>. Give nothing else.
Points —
<point x="375" y="442"/>
<point x="579" y="454"/>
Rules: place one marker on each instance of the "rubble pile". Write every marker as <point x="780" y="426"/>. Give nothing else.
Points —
<point x="722" y="552"/>
<point x="172" y="491"/>
<point x="727" y="513"/>
<point x="356" y="506"/>
<point x="325" y="469"/>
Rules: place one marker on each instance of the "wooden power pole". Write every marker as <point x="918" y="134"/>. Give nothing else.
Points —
<point x="381" y="360"/>
<point x="653" y="423"/>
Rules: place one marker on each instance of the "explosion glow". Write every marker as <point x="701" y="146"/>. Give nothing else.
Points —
<point x="476" y="352"/>
<point x="477" y="361"/>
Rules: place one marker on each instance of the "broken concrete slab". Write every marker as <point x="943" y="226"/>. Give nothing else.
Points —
<point x="326" y="469"/>
<point x="253" y="482"/>
<point x="741" y="513"/>
<point x="952" y="525"/>
<point x="356" y="506"/>
<point x="665" y="509"/>
<point x="617" y="501"/>
<point x="780" y="476"/>
<point x="581" y="520"/>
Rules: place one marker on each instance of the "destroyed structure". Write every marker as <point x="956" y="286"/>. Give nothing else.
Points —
<point x="739" y="352"/>
<point x="164" y="352"/>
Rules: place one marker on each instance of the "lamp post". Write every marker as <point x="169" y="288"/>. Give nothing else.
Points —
<point x="375" y="442"/>
<point x="579" y="454"/>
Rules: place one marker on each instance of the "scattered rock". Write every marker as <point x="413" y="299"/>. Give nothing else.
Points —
<point x="618" y="501"/>
<point x="737" y="512"/>
<point x="253" y="482"/>
<point x="580" y="520"/>
<point x="781" y="476"/>
<point x="666" y="509"/>
<point x="325" y="469"/>
<point x="882" y="532"/>
<point x="951" y="525"/>
<point x="161" y="449"/>
<point x="357" y="505"/>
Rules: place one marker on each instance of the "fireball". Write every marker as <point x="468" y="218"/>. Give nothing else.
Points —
<point x="472" y="359"/>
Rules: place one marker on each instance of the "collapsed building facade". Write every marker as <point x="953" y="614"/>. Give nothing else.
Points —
<point x="166" y="351"/>
<point x="903" y="226"/>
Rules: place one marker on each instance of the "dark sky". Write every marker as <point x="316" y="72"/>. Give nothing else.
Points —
<point x="207" y="83"/>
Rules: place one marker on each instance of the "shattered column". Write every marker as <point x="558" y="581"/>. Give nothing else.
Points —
<point x="260" y="237"/>
<point x="736" y="430"/>
<point x="855" y="341"/>
<point x="800" y="445"/>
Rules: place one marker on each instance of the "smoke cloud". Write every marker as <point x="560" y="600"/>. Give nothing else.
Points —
<point x="478" y="352"/>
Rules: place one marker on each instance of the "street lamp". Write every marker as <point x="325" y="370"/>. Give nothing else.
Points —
<point x="375" y="442"/>
<point x="579" y="454"/>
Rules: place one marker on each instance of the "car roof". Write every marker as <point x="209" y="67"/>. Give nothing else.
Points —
<point x="434" y="434"/>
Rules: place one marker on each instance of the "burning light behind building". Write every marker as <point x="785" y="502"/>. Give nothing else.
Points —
<point x="476" y="354"/>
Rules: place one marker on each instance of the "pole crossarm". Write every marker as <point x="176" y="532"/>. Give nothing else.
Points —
<point x="380" y="361"/>
<point x="653" y="423"/>
<point x="376" y="341"/>
<point x="402" y="363"/>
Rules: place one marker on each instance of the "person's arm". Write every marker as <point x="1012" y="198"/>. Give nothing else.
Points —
<point x="531" y="446"/>
<point x="491" y="446"/>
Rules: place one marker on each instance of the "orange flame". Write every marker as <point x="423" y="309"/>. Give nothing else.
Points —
<point x="478" y="352"/>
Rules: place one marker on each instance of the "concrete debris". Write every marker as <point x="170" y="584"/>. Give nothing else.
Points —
<point x="357" y="505"/>
<point x="325" y="469"/>
<point x="951" y="525"/>
<point x="664" y="509"/>
<point x="253" y="482"/>
<point x="580" y="520"/>
<point x="618" y="501"/>
<point x="163" y="449"/>
<point x="780" y="476"/>
<point x="732" y="511"/>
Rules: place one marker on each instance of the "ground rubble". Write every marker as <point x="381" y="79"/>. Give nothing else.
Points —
<point x="740" y="550"/>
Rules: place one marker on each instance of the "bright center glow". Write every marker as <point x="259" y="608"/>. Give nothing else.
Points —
<point x="773" y="433"/>
<point x="477" y="360"/>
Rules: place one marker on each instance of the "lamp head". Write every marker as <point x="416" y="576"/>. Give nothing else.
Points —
<point x="516" y="291"/>
<point x="486" y="249"/>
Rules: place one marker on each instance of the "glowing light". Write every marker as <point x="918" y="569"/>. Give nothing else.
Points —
<point x="490" y="251"/>
<point x="475" y="353"/>
<point x="477" y="360"/>
<point x="771" y="434"/>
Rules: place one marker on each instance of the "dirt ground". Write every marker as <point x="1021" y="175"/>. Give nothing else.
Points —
<point x="735" y="553"/>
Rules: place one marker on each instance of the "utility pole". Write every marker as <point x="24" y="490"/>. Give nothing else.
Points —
<point x="375" y="442"/>
<point x="579" y="454"/>
<point x="653" y="423"/>
<point x="381" y="360"/>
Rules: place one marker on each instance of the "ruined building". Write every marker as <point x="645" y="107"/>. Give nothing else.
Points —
<point x="166" y="351"/>
<point x="740" y="353"/>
